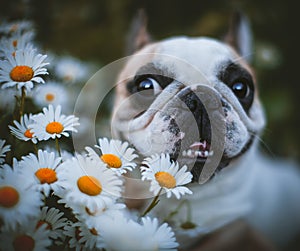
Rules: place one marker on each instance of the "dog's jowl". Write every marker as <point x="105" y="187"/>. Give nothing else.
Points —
<point x="197" y="99"/>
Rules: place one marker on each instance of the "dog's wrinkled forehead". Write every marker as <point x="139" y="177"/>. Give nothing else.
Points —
<point x="187" y="60"/>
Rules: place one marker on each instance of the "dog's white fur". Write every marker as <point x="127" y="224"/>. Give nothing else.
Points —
<point x="264" y="192"/>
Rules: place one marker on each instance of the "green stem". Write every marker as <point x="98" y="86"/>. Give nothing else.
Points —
<point x="174" y="212"/>
<point x="57" y="147"/>
<point x="189" y="211"/>
<point x="22" y="101"/>
<point x="152" y="204"/>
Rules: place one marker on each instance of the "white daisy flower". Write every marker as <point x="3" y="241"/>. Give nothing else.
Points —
<point x="43" y="168"/>
<point x="115" y="154"/>
<point x="90" y="238"/>
<point x="51" y="93"/>
<point x="22" y="130"/>
<point x="165" y="174"/>
<point x="19" y="200"/>
<point x="19" y="41"/>
<point x="28" y="237"/>
<point x="90" y="217"/>
<point x="3" y="150"/>
<point x="88" y="182"/>
<point x="22" y="70"/>
<point x="122" y="234"/>
<point x="73" y="231"/>
<point x="163" y="236"/>
<point x="52" y="218"/>
<point x="16" y="26"/>
<point x="52" y="124"/>
<point x="71" y="70"/>
<point x="64" y="154"/>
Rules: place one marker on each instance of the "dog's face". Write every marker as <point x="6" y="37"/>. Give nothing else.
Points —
<point x="170" y="95"/>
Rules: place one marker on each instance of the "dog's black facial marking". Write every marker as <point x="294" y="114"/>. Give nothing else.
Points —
<point x="240" y="81"/>
<point x="149" y="71"/>
<point x="231" y="127"/>
<point x="173" y="127"/>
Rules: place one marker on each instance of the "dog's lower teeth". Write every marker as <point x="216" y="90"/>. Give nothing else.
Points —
<point x="192" y="154"/>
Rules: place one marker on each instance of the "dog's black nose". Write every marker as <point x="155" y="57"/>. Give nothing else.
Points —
<point x="193" y="102"/>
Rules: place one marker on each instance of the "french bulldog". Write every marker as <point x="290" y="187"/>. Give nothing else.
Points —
<point x="196" y="98"/>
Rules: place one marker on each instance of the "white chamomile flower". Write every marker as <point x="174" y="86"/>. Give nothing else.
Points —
<point x="43" y="169"/>
<point x="52" y="218"/>
<point x="22" y="129"/>
<point x="16" y="26"/>
<point x="71" y="70"/>
<point x="51" y="93"/>
<point x="91" y="239"/>
<point x="64" y="154"/>
<point x="23" y="69"/>
<point x="90" y="217"/>
<point x="165" y="174"/>
<point x="52" y="124"/>
<point x="122" y="234"/>
<point x="115" y="154"/>
<point x="189" y="230"/>
<point x="71" y="230"/>
<point x="88" y="182"/>
<point x="28" y="237"/>
<point x="3" y="150"/>
<point x="163" y="236"/>
<point x="19" y="200"/>
<point x="18" y="41"/>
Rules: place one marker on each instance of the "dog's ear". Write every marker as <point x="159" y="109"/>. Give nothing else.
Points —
<point x="240" y="36"/>
<point x="138" y="35"/>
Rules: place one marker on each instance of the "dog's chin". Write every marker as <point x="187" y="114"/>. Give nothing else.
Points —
<point x="196" y="160"/>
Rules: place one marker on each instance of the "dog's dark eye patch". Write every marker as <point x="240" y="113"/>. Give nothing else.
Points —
<point x="240" y="81"/>
<point x="149" y="71"/>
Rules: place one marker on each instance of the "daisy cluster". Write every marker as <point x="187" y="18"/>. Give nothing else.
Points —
<point x="52" y="197"/>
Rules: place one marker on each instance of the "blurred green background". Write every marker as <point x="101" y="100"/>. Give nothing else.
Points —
<point x="95" y="30"/>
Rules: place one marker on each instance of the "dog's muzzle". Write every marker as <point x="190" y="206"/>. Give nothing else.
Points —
<point x="199" y="114"/>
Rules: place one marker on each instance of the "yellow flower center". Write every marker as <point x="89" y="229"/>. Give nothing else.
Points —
<point x="165" y="179"/>
<point x="89" y="185"/>
<point x="89" y="212"/>
<point x="41" y="222"/>
<point x="50" y="97"/>
<point x="54" y="127"/>
<point x="111" y="160"/>
<point x="77" y="234"/>
<point x="15" y="43"/>
<point x="93" y="231"/>
<point x="23" y="243"/>
<point x="28" y="134"/>
<point x="14" y="28"/>
<point x="9" y="196"/>
<point x="46" y="175"/>
<point x="21" y="73"/>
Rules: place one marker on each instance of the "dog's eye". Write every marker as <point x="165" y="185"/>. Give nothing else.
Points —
<point x="149" y="87"/>
<point x="240" y="89"/>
